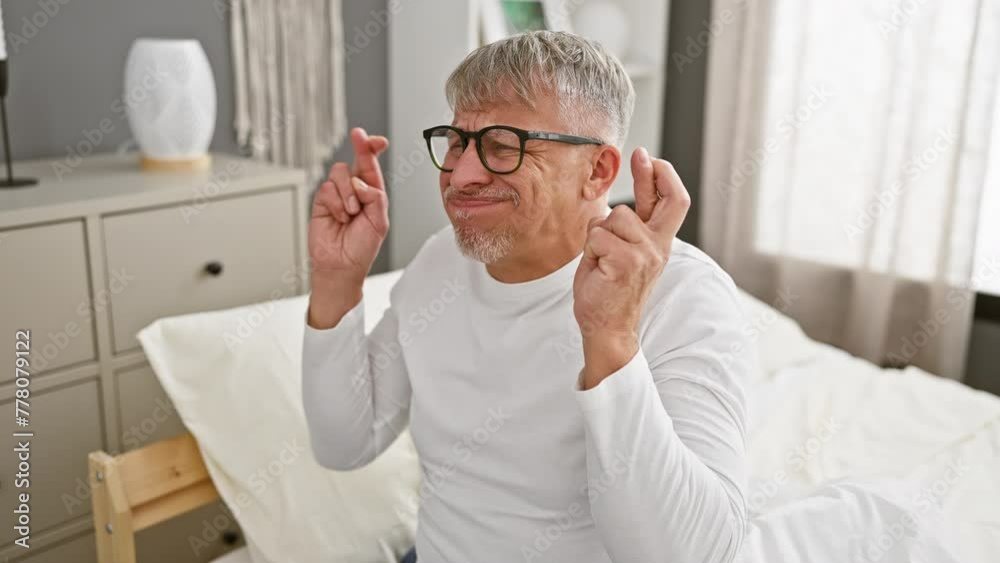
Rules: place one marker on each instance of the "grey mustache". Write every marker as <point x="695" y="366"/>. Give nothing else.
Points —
<point x="488" y="191"/>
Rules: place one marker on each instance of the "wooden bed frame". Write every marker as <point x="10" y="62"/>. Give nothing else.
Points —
<point x="139" y="489"/>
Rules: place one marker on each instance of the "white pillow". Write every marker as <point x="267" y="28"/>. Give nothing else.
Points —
<point x="780" y="340"/>
<point x="235" y="379"/>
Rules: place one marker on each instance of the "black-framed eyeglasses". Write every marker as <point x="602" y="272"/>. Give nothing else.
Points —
<point x="500" y="147"/>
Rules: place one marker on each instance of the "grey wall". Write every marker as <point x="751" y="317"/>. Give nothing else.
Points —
<point x="65" y="79"/>
<point x="68" y="73"/>
<point x="685" y="100"/>
<point x="982" y="371"/>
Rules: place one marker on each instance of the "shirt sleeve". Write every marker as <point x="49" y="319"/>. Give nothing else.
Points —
<point x="666" y="435"/>
<point x="355" y="389"/>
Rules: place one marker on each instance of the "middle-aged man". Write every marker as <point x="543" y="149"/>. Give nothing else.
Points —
<point x="572" y="376"/>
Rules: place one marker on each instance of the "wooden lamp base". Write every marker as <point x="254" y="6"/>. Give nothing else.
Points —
<point x="186" y="165"/>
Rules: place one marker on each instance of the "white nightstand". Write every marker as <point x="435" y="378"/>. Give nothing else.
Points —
<point x="91" y="255"/>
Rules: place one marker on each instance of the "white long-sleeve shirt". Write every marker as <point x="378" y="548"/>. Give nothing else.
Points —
<point x="519" y="464"/>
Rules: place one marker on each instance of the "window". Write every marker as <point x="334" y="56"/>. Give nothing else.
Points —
<point x="871" y="154"/>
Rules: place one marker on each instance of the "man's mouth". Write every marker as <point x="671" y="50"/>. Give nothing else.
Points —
<point x="476" y="201"/>
<point x="481" y="201"/>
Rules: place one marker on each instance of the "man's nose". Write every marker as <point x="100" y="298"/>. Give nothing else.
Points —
<point x="469" y="169"/>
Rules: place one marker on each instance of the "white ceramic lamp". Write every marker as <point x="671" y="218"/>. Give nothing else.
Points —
<point x="170" y="94"/>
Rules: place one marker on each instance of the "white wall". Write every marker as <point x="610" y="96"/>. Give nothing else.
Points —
<point x="645" y="62"/>
<point x="427" y="40"/>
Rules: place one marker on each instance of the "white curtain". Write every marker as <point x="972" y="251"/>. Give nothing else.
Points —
<point x="845" y="157"/>
<point x="288" y="75"/>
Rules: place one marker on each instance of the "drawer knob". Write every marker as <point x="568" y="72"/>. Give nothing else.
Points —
<point x="214" y="268"/>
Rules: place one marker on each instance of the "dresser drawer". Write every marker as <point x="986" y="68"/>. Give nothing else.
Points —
<point x="82" y="549"/>
<point x="195" y="537"/>
<point x="45" y="290"/>
<point x="145" y="413"/>
<point x="166" y="261"/>
<point x="67" y="426"/>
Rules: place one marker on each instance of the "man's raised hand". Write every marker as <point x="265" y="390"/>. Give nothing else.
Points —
<point x="350" y="219"/>
<point x="623" y="257"/>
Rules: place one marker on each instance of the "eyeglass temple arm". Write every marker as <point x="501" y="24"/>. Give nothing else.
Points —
<point x="572" y="139"/>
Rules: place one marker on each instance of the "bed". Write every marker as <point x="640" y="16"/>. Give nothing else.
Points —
<point x="820" y="420"/>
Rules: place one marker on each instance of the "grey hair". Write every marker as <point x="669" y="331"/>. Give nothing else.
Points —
<point x="595" y="93"/>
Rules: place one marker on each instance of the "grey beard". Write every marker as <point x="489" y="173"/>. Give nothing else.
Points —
<point x="485" y="247"/>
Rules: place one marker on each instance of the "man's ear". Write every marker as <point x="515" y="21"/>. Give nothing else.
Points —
<point x="605" y="162"/>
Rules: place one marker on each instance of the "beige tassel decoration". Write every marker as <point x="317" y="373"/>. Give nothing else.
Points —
<point x="288" y="70"/>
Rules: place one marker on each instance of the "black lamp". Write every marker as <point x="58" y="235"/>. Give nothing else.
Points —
<point x="10" y="181"/>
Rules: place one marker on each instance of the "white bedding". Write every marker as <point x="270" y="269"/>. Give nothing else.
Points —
<point x="235" y="378"/>
<point x="241" y="555"/>
<point x="821" y="422"/>
<point x="933" y="443"/>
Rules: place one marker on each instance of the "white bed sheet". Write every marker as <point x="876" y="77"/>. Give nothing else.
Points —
<point x="845" y="456"/>
<point x="241" y="555"/>
<point x="931" y="445"/>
